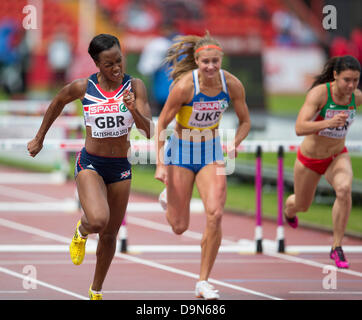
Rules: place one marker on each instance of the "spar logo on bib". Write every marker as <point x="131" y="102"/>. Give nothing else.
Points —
<point x="111" y="106"/>
<point x="207" y="113"/>
<point x="206" y="105"/>
<point x="331" y="113"/>
<point x="104" y="108"/>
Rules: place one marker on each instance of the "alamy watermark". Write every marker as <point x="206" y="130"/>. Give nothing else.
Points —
<point x="30" y="280"/>
<point x="330" y="19"/>
<point x="190" y="147"/>
<point x="330" y="280"/>
<point x="30" y="21"/>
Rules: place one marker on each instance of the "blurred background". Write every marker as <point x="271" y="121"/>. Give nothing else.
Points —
<point x="275" y="47"/>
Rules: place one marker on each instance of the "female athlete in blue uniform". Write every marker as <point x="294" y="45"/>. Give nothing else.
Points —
<point x="201" y="92"/>
<point x="112" y="102"/>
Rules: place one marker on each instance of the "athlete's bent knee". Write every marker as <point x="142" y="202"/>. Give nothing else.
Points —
<point x="98" y="224"/>
<point x="108" y="239"/>
<point x="179" y="228"/>
<point x="214" y="217"/>
<point x="343" y="191"/>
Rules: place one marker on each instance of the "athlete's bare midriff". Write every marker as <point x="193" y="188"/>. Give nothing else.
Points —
<point x="107" y="147"/>
<point x="319" y="147"/>
<point x="195" y="134"/>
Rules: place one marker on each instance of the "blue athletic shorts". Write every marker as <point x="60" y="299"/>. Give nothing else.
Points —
<point x="192" y="155"/>
<point x="110" y="169"/>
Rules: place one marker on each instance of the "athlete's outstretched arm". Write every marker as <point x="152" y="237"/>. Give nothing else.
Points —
<point x="74" y="90"/>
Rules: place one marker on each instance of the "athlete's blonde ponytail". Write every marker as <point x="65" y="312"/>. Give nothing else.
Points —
<point x="181" y="55"/>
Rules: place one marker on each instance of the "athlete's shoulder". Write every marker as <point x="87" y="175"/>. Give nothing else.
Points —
<point x="319" y="89"/>
<point x="138" y="86"/>
<point x="318" y="92"/>
<point x="184" y="83"/>
<point x="232" y="80"/>
<point x="234" y="85"/>
<point x="186" y="78"/>
<point x="78" y="87"/>
<point x="80" y="83"/>
<point x="317" y="96"/>
<point x="358" y="97"/>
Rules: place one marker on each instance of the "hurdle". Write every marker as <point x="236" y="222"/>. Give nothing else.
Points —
<point x="249" y="146"/>
<point x="280" y="186"/>
<point x="258" y="200"/>
<point x="123" y="235"/>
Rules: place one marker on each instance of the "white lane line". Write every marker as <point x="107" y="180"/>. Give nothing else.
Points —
<point x="32" y="230"/>
<point x="65" y="205"/>
<point x="196" y="206"/>
<point x="321" y="249"/>
<point x="326" y="292"/>
<point x="24" y="195"/>
<point x="38" y="202"/>
<point x="166" y="228"/>
<point x="42" y="283"/>
<point x="39" y="232"/>
<point x="192" y="275"/>
<point x="159" y="226"/>
<point x="147" y="292"/>
<point x="91" y="247"/>
<point x="310" y="263"/>
<point x="269" y="250"/>
<point x="32" y="178"/>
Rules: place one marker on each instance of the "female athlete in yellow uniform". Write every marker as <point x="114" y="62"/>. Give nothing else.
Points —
<point x="200" y="93"/>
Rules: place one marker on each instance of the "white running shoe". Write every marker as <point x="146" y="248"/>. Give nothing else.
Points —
<point x="206" y="290"/>
<point x="162" y="199"/>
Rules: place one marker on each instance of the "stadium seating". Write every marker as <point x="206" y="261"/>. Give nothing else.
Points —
<point x="223" y="18"/>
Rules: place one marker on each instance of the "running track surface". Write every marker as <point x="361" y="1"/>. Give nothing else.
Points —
<point x="35" y="263"/>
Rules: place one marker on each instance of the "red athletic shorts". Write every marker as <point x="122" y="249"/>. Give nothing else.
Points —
<point x="318" y="165"/>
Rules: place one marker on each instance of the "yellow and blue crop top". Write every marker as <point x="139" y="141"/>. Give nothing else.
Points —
<point x="204" y="112"/>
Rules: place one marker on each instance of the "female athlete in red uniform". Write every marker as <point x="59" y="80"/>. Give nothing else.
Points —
<point x="325" y="117"/>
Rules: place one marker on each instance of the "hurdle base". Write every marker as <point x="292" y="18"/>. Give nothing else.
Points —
<point x="259" y="246"/>
<point x="281" y="246"/>
<point x="123" y="246"/>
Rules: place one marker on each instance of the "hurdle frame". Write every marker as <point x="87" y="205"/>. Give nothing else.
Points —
<point x="250" y="146"/>
<point x="280" y="239"/>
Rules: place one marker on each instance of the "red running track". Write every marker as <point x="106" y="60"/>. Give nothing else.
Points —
<point x="35" y="263"/>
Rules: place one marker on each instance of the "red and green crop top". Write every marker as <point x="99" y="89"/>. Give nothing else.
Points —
<point x="330" y="109"/>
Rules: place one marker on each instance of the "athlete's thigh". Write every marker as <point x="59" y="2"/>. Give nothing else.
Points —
<point x="339" y="172"/>
<point x="180" y="182"/>
<point x="305" y="184"/>
<point x="118" y="195"/>
<point x="211" y="184"/>
<point x="92" y="193"/>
